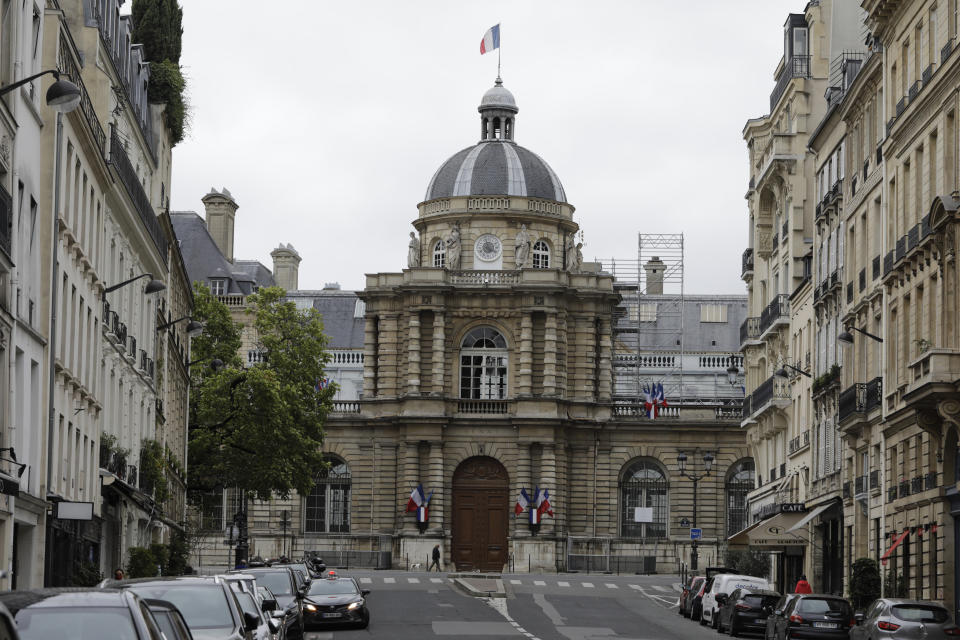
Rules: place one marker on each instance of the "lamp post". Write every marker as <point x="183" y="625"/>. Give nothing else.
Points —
<point x="152" y="287"/>
<point x="194" y="328"/>
<point x="846" y="338"/>
<point x="782" y="371"/>
<point x="707" y="466"/>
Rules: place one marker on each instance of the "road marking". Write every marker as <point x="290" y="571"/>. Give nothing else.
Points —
<point x="539" y="583"/>
<point x="668" y="602"/>
<point x="515" y="582"/>
<point x="588" y="585"/>
<point x="610" y="585"/>
<point x="563" y="584"/>
<point x="436" y="579"/>
<point x="366" y="580"/>
<point x="413" y="580"/>
<point x="389" y="580"/>
<point x="660" y="587"/>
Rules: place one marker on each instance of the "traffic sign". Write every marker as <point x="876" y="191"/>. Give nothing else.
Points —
<point x="696" y="534"/>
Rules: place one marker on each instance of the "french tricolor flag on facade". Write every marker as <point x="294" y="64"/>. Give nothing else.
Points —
<point x="417" y="499"/>
<point x="491" y="39"/>
<point x="523" y="501"/>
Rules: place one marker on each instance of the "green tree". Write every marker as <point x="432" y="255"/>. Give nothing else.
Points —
<point x="865" y="583"/>
<point x="260" y="428"/>
<point x="142" y="563"/>
<point x="749" y="562"/>
<point x="158" y="26"/>
<point x="153" y="479"/>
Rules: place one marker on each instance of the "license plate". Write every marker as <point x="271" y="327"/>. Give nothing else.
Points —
<point x="825" y="625"/>
<point x="332" y="615"/>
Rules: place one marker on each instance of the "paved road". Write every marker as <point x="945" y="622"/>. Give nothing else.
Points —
<point x="537" y="607"/>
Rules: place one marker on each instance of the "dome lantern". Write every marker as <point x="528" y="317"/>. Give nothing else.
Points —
<point x="498" y="111"/>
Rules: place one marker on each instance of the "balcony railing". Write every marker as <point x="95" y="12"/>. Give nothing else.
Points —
<point x="925" y="226"/>
<point x="853" y="399"/>
<point x="6" y="222"/>
<point x="913" y="237"/>
<point x="846" y="490"/>
<point x="798" y="443"/>
<point x="487" y="407"/>
<point x="483" y="278"/>
<point x="916" y="485"/>
<point x="945" y="51"/>
<point x="749" y="330"/>
<point x="891" y="494"/>
<point x="930" y="481"/>
<point x="888" y="263"/>
<point x="773" y="388"/>
<point x="128" y="176"/>
<point x="874" y="394"/>
<point x="901" y="248"/>
<point x="796" y="67"/>
<point x="778" y="309"/>
<point x="346" y="406"/>
<point x="747" y="261"/>
<point x="68" y="68"/>
<point x="859" y="485"/>
<point x="904" y="489"/>
<point x="862" y="279"/>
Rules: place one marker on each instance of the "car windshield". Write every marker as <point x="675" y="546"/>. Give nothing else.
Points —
<point x="332" y="587"/>
<point x="823" y="606"/>
<point x="920" y="613"/>
<point x="758" y="600"/>
<point x="276" y="581"/>
<point x="202" y="606"/>
<point x="75" y="623"/>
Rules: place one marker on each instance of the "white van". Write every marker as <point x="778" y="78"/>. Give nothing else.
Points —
<point x="725" y="584"/>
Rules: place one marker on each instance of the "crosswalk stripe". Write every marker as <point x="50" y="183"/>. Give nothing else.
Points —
<point x="389" y="580"/>
<point x="660" y="587"/>
<point x="636" y="586"/>
<point x="563" y="584"/>
<point x="539" y="583"/>
<point x="588" y="585"/>
<point x="610" y="585"/>
<point x="366" y="580"/>
<point x="413" y="580"/>
<point x="515" y="582"/>
<point x="436" y="580"/>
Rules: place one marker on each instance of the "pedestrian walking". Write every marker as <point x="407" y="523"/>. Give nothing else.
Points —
<point x="802" y="585"/>
<point x="436" y="558"/>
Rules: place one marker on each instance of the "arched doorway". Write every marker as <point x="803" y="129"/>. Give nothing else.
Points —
<point x="481" y="501"/>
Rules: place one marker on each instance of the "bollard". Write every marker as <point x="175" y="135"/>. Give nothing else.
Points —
<point x="407" y="557"/>
<point x="528" y="564"/>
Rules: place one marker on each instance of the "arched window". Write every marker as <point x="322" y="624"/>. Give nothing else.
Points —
<point x="483" y="365"/>
<point x="644" y="485"/>
<point x="541" y="255"/>
<point x="740" y="482"/>
<point x="439" y="254"/>
<point x="327" y="508"/>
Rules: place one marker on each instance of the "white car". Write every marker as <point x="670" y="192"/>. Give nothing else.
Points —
<point x="723" y="585"/>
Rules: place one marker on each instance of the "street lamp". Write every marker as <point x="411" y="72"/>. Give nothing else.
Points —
<point x="194" y="328"/>
<point x="846" y="338"/>
<point x="216" y="364"/>
<point x="707" y="466"/>
<point x="152" y="287"/>
<point x="782" y="371"/>
<point x="63" y="96"/>
<point x="732" y="372"/>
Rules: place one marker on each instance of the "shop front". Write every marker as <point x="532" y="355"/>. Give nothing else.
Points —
<point x="778" y="529"/>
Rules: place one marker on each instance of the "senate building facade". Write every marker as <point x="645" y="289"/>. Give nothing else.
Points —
<point x="490" y="366"/>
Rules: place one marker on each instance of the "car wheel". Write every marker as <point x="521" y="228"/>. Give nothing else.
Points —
<point x="703" y="621"/>
<point x="363" y="623"/>
<point x="713" y="619"/>
<point x="696" y="612"/>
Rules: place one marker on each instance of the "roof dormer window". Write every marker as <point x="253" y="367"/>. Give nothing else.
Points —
<point x="218" y="286"/>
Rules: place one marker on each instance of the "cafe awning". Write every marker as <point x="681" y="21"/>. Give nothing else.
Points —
<point x="810" y="516"/>
<point x="893" y="547"/>
<point x="775" y="531"/>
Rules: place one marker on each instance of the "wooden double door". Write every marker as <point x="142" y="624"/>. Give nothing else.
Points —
<point x="481" y="509"/>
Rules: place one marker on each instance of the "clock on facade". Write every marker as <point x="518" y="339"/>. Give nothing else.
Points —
<point x="488" y="247"/>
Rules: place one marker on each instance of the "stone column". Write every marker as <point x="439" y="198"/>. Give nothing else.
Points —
<point x="370" y="357"/>
<point x="413" y="354"/>
<point x="387" y="357"/>
<point x="565" y="353"/>
<point x="550" y="355"/>
<point x="525" y="368"/>
<point x="439" y="355"/>
<point x="435" y="482"/>
<point x="523" y="480"/>
<point x="548" y="481"/>
<point x="605" y="378"/>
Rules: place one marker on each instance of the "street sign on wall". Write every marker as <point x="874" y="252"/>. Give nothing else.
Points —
<point x="696" y="534"/>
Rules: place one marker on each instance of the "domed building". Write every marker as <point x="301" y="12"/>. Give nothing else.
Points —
<point x="488" y="373"/>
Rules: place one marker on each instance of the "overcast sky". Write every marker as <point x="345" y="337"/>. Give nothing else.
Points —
<point x="326" y="120"/>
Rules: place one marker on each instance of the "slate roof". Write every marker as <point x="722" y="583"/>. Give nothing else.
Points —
<point x="340" y="315"/>
<point x="204" y="260"/>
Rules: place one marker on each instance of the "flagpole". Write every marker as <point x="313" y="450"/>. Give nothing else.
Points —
<point x="499" y="45"/>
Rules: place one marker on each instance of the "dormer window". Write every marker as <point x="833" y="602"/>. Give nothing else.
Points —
<point x="218" y="286"/>
<point x="795" y="36"/>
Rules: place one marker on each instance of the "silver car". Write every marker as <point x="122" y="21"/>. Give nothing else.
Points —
<point x="901" y="618"/>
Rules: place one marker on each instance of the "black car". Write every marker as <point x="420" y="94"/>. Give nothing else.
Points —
<point x="300" y="568"/>
<point x="282" y="582"/>
<point x="170" y="620"/>
<point x="745" y="610"/>
<point x="815" y="616"/>
<point x="80" y="614"/>
<point x="207" y="604"/>
<point x="688" y="593"/>
<point x="776" y="613"/>
<point x="336" y="600"/>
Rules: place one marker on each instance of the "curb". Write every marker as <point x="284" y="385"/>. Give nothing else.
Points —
<point x="471" y="590"/>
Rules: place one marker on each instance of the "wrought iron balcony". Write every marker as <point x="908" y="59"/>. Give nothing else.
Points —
<point x="777" y="310"/>
<point x="795" y="67"/>
<point x="853" y="400"/>
<point x="891" y="494"/>
<point x="772" y="390"/>
<point x="132" y="342"/>
<point x="888" y="263"/>
<point x="874" y="394"/>
<point x="139" y="198"/>
<point x="799" y="442"/>
<point x="749" y="330"/>
<point x="916" y="485"/>
<point x="904" y="489"/>
<point x="862" y="279"/>
<point x="927" y="74"/>
<point x="747" y="261"/>
<point x="930" y="481"/>
<point x="859" y="485"/>
<point x="925" y="226"/>
<point x="901" y="106"/>
<point x="901" y="248"/>
<point x="913" y="237"/>
<point x="914" y="90"/>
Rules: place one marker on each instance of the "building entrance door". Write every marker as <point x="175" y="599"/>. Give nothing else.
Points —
<point x="481" y="504"/>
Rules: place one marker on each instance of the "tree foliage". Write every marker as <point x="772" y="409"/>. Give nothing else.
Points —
<point x="260" y="428"/>
<point x="750" y="562"/>
<point x="865" y="583"/>
<point x="158" y="26"/>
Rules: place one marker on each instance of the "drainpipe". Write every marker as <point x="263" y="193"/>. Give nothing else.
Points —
<point x="884" y="218"/>
<point x="596" y="450"/>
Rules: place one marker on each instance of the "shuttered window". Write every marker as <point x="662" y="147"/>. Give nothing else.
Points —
<point x="713" y="313"/>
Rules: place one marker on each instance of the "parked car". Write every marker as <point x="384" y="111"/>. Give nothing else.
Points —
<point x="266" y="625"/>
<point x="8" y="628"/>
<point x="207" y="604"/>
<point x="80" y="614"/>
<point x="283" y="583"/>
<point x="336" y="600"/>
<point x="815" y="616"/>
<point x="169" y="619"/>
<point x="725" y="584"/>
<point x="775" y="613"/>
<point x="696" y="604"/>
<point x="688" y="592"/>
<point x="301" y="568"/>
<point x="271" y="608"/>
<point x="745" y="610"/>
<point x="900" y="618"/>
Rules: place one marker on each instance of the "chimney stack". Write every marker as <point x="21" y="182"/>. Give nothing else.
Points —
<point x="221" y="210"/>
<point x="654" y="269"/>
<point x="286" y="267"/>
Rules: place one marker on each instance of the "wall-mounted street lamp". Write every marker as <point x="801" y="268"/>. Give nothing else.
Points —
<point x="846" y="338"/>
<point x="152" y="287"/>
<point x="782" y="371"/>
<point x="21" y="467"/>
<point x="63" y="96"/>
<point x="707" y="466"/>
<point x="194" y="328"/>
<point x="732" y="372"/>
<point x="216" y="364"/>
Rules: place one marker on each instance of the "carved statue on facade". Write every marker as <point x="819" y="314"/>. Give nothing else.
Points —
<point x="413" y="251"/>
<point x="453" y="247"/>
<point x="521" y="248"/>
<point x="574" y="255"/>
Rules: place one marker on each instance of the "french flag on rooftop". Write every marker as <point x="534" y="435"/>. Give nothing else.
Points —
<point x="491" y="39"/>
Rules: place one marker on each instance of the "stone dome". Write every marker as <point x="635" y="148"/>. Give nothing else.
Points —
<point x="496" y="166"/>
